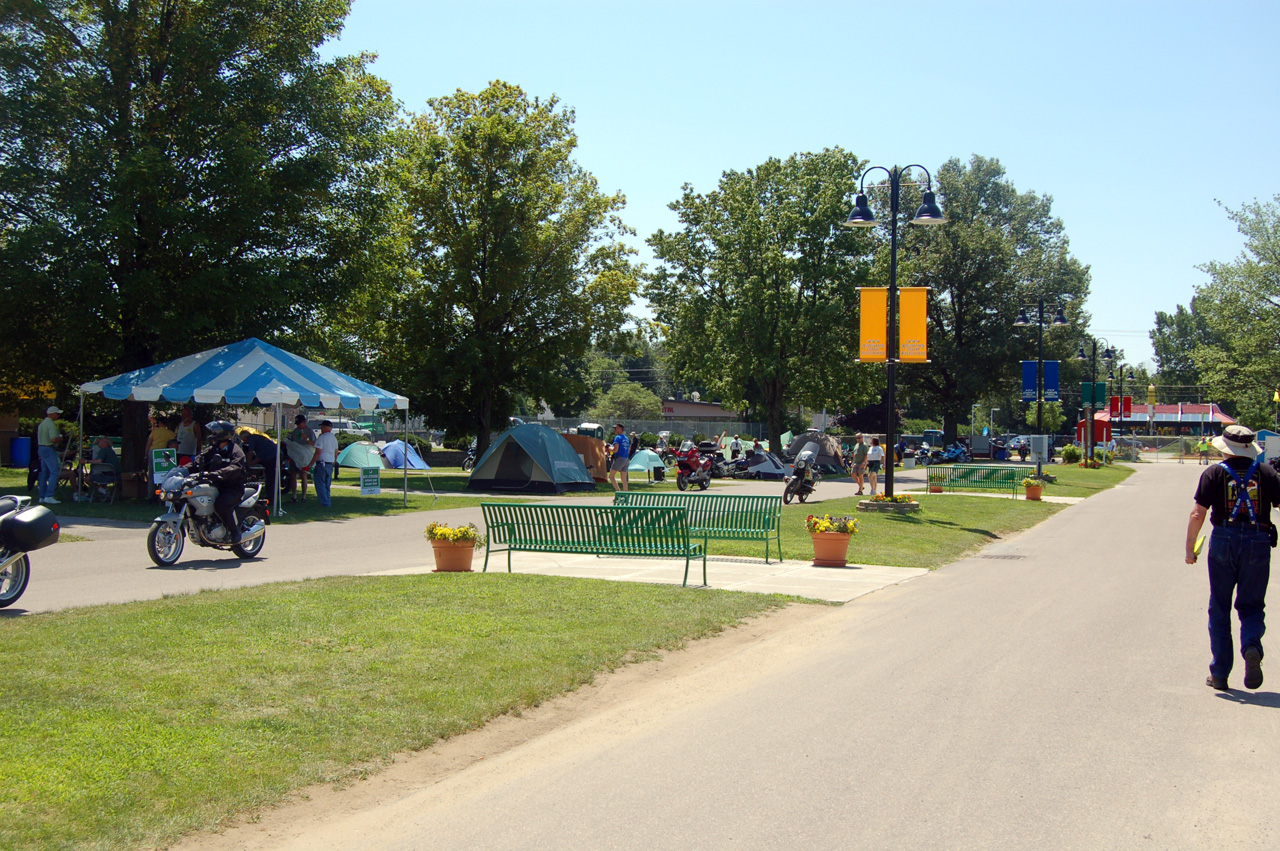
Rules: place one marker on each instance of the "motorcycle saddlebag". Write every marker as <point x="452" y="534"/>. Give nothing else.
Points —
<point x="29" y="530"/>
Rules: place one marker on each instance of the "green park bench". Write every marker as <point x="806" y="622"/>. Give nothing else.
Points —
<point x="725" y="518"/>
<point x="971" y="477"/>
<point x="601" y="530"/>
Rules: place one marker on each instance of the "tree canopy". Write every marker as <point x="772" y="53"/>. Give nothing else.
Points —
<point x="627" y="401"/>
<point x="757" y="287"/>
<point x="175" y="175"/>
<point x="516" y="256"/>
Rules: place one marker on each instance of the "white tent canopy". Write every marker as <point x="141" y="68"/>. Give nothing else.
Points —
<point x="246" y="373"/>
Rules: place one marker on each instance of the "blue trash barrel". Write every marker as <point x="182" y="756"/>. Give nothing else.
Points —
<point x="20" y="451"/>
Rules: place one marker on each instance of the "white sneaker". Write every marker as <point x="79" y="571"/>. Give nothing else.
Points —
<point x="48" y="500"/>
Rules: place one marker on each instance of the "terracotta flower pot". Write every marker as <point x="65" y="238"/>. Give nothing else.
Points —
<point x="935" y="488"/>
<point x="453" y="556"/>
<point x="831" y="549"/>
<point x="1034" y="492"/>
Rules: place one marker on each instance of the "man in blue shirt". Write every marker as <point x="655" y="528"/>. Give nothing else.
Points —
<point x="261" y="451"/>
<point x="621" y="456"/>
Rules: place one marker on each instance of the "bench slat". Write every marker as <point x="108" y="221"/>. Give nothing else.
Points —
<point x="732" y="517"/>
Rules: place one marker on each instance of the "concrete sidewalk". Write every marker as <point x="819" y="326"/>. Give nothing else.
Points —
<point x="731" y="573"/>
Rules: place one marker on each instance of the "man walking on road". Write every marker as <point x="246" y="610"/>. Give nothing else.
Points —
<point x="1238" y="494"/>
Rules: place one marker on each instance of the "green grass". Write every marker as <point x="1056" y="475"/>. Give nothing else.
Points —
<point x="945" y="529"/>
<point x="133" y="724"/>
<point x="453" y="480"/>
<point x="1074" y="480"/>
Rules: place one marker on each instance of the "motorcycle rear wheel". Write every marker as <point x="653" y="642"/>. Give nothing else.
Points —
<point x="681" y="482"/>
<point x="165" y="543"/>
<point x="251" y="548"/>
<point x="13" y="581"/>
<point x="704" y="484"/>
<point x="804" y="494"/>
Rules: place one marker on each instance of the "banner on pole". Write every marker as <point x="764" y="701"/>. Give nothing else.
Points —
<point x="1051" y="381"/>
<point x="913" y="333"/>
<point x="1093" y="394"/>
<point x="1118" y="405"/>
<point x="1028" y="381"/>
<point x="874" y="324"/>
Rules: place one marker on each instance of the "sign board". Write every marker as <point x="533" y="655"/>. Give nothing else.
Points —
<point x="1028" y="381"/>
<point x="370" y="481"/>
<point x="1098" y="398"/>
<point x="1051" y="381"/>
<point x="162" y="461"/>
<point x="873" y="324"/>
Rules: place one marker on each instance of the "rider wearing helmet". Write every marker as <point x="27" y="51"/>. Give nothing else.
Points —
<point x="223" y="465"/>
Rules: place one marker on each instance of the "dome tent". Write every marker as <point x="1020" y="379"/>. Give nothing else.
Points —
<point x="825" y="446"/>
<point x="395" y="453"/>
<point x="362" y="454"/>
<point x="530" y="458"/>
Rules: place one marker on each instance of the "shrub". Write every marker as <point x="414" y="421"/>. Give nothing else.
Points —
<point x="1071" y="454"/>
<point x="698" y="437"/>
<point x="648" y="438"/>
<point x="675" y="440"/>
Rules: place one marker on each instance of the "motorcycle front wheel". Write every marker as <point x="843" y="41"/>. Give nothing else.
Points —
<point x="681" y="482"/>
<point x="468" y="464"/>
<point x="789" y="492"/>
<point x="13" y="581"/>
<point x="165" y="543"/>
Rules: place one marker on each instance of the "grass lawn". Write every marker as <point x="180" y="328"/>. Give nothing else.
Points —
<point x="133" y="724"/>
<point x="1074" y="480"/>
<point x="946" y="528"/>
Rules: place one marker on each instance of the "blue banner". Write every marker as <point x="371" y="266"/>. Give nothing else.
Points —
<point x="1051" y="381"/>
<point x="1028" y="381"/>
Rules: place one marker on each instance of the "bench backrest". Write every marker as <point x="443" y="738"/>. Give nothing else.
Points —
<point x="976" y="475"/>
<point x="722" y="512"/>
<point x="607" y="527"/>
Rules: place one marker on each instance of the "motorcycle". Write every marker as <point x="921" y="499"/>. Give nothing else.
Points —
<point x="189" y="514"/>
<point x="23" y="528"/>
<point x="957" y="453"/>
<point x="469" y="462"/>
<point x="803" y="480"/>
<point x="691" y="467"/>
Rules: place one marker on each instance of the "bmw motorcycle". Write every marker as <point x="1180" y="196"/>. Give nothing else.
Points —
<point x="803" y="480"/>
<point x="23" y="528"/>
<point x="692" y="468"/>
<point x="189" y="513"/>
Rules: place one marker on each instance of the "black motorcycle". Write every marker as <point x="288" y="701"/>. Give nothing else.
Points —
<point x="469" y="462"/>
<point x="23" y="528"/>
<point x="803" y="480"/>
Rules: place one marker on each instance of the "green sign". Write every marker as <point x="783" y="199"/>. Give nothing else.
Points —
<point x="1099" y="397"/>
<point x="370" y="481"/>
<point x="162" y="461"/>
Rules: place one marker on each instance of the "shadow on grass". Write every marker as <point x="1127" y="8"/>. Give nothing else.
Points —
<point x="916" y="520"/>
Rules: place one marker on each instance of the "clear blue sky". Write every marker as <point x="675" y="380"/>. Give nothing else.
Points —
<point x="1136" y="117"/>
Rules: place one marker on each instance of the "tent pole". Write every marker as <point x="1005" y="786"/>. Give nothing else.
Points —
<point x="80" y="453"/>
<point x="406" y="456"/>
<point x="280" y="455"/>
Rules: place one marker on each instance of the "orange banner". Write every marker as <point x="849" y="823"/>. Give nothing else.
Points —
<point x="874" y="310"/>
<point x="913" y="324"/>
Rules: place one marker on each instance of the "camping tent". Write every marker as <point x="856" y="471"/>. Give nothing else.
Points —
<point x="765" y="465"/>
<point x="827" y="447"/>
<point x="593" y="454"/>
<point x="394" y="452"/>
<point x="246" y="373"/>
<point x="530" y="458"/>
<point x="362" y="454"/>
<point x="644" y="461"/>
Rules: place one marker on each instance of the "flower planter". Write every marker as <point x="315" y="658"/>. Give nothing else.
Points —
<point x="831" y="549"/>
<point x="935" y="488"/>
<point x="889" y="507"/>
<point x="1034" y="492"/>
<point x="453" y="556"/>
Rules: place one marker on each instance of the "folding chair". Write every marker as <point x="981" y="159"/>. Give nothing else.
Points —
<point x="104" y="481"/>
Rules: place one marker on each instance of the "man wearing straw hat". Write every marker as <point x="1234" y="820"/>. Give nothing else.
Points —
<point x="1239" y="495"/>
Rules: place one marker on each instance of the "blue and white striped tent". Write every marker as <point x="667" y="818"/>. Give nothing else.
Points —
<point x="246" y="373"/>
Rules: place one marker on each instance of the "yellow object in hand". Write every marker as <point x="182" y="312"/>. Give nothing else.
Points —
<point x="1199" y="545"/>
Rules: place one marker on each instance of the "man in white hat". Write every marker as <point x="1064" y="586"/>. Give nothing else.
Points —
<point x="1238" y="494"/>
<point x="48" y="439"/>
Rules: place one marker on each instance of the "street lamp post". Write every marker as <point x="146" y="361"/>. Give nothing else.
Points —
<point x="1022" y="320"/>
<point x="991" y="423"/>
<point x="1107" y="354"/>
<point x="973" y="424"/>
<point x="862" y="217"/>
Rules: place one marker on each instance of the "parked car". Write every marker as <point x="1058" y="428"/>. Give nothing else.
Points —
<point x="341" y="427"/>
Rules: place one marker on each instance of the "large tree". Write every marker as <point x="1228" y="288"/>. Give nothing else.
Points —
<point x="517" y="256"/>
<point x="174" y="175"/>
<point x="1241" y="307"/>
<point x="758" y="286"/>
<point x="1174" y="340"/>
<point x="998" y="252"/>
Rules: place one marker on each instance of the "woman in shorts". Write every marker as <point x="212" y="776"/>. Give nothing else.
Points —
<point x="875" y="456"/>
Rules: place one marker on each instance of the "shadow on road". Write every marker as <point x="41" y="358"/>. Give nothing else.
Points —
<point x="12" y="613"/>
<point x="205" y="564"/>
<point x="1252" y="698"/>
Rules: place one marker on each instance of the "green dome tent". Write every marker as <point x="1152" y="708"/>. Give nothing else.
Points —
<point x="362" y="454"/>
<point x="533" y="459"/>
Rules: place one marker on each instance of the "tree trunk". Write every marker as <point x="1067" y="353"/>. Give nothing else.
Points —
<point x="133" y="433"/>
<point x="484" y="418"/>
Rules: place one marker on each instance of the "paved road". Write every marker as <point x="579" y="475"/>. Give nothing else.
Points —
<point x="1047" y="694"/>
